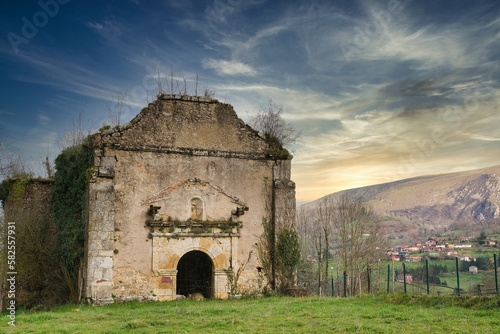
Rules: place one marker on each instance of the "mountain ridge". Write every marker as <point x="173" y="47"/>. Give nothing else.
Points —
<point x="433" y="202"/>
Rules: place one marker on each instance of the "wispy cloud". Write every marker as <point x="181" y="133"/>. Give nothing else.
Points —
<point x="66" y="75"/>
<point x="229" y="67"/>
<point x="43" y="119"/>
<point x="8" y="113"/>
<point x="110" y="28"/>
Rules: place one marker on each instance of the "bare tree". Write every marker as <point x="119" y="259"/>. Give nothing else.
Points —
<point x="270" y="121"/>
<point x="176" y="84"/>
<point x="11" y="164"/>
<point x="357" y="236"/>
<point x="318" y="245"/>
<point x="305" y="230"/>
<point x="49" y="168"/>
<point x="14" y="167"/>
<point x="115" y="110"/>
<point x="78" y="134"/>
<point x="325" y="224"/>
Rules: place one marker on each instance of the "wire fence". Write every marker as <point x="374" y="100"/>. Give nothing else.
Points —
<point x="459" y="278"/>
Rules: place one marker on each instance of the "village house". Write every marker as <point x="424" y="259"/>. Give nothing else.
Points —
<point x="489" y="243"/>
<point x="177" y="199"/>
<point x="409" y="278"/>
<point x="463" y="246"/>
<point x="466" y="257"/>
<point x="402" y="248"/>
<point x="413" y="248"/>
<point x="473" y="270"/>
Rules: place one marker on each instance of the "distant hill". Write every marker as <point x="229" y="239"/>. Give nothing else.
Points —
<point x="423" y="206"/>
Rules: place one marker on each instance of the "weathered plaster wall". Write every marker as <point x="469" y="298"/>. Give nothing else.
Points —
<point x="139" y="176"/>
<point x="175" y="150"/>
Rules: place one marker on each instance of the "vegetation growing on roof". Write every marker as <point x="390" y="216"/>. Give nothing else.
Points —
<point x="14" y="189"/>
<point x="281" y="136"/>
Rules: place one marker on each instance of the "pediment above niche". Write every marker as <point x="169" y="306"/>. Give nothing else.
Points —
<point x="194" y="199"/>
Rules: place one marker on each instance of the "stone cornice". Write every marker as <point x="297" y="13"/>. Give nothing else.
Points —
<point x="177" y="235"/>
<point x="201" y="152"/>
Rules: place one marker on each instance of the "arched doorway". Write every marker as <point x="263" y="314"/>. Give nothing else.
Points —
<point x="194" y="274"/>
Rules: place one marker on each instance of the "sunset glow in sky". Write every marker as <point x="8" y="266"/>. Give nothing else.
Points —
<point x="382" y="90"/>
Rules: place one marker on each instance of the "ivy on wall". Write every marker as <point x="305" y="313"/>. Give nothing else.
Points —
<point x="266" y="250"/>
<point x="286" y="252"/>
<point x="287" y="256"/>
<point x="13" y="189"/>
<point x="67" y="204"/>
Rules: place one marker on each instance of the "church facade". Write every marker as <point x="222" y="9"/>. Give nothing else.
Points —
<point x="176" y="203"/>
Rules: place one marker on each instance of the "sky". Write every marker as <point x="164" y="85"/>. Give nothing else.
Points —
<point x="381" y="90"/>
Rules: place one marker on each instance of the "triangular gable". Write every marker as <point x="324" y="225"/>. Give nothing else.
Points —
<point x="187" y="125"/>
<point x="163" y="194"/>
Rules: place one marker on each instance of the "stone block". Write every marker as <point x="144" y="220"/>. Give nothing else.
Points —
<point x="105" y="253"/>
<point x="95" y="246"/>
<point x="107" y="274"/>
<point x="101" y="293"/>
<point x="108" y="162"/>
<point x="106" y="226"/>
<point x="102" y="197"/>
<point x="107" y="172"/>
<point x="103" y="187"/>
<point x="100" y="262"/>
<point x="107" y="244"/>
<point x="105" y="235"/>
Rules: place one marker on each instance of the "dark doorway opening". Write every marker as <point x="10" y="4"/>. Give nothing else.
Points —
<point x="194" y="274"/>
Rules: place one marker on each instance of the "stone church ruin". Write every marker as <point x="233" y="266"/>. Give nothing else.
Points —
<point x="176" y="203"/>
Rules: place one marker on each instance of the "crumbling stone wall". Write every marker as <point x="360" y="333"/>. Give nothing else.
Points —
<point x="25" y="195"/>
<point x="184" y="175"/>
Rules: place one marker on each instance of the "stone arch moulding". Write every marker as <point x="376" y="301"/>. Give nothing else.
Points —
<point x="220" y="260"/>
<point x="220" y="269"/>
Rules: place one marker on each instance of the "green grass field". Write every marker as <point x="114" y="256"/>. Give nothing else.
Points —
<point x="363" y="314"/>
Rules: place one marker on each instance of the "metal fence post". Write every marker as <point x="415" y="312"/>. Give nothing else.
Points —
<point x="458" y="277"/>
<point x="496" y="271"/>
<point x="369" y="274"/>
<point x="333" y="289"/>
<point x="427" y="274"/>
<point x="404" y="277"/>
<point x="388" y="276"/>
<point x="345" y="284"/>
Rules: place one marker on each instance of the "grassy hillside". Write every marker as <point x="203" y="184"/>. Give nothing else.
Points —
<point x="363" y="314"/>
